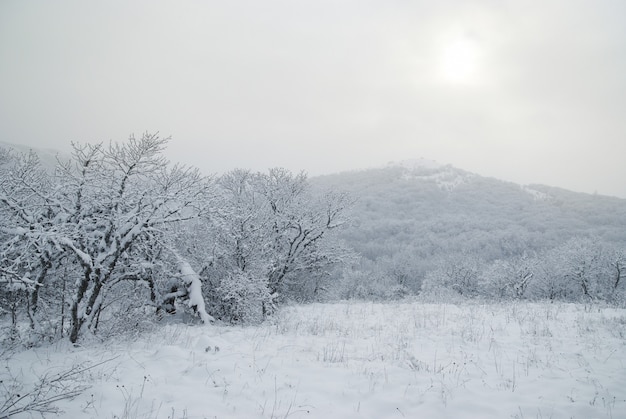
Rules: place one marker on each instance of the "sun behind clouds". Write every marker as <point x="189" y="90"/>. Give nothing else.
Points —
<point x="460" y="61"/>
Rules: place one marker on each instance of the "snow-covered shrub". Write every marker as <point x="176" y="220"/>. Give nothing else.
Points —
<point x="126" y="312"/>
<point x="271" y="233"/>
<point x="12" y="300"/>
<point x="506" y="279"/>
<point x="36" y="313"/>
<point x="242" y="298"/>
<point x="458" y="274"/>
<point x="370" y="285"/>
<point x="39" y="395"/>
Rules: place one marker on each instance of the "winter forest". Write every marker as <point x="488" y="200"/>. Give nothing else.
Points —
<point x="117" y="234"/>
<point x="115" y="242"/>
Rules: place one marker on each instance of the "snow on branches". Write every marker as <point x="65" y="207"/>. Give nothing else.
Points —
<point x="94" y="209"/>
<point x="118" y="219"/>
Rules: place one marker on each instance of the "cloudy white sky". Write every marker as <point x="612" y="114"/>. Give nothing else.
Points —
<point x="532" y="91"/>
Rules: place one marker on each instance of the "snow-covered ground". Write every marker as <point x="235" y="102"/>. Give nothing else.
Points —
<point x="354" y="360"/>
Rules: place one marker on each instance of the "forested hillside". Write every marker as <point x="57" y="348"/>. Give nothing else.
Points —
<point x="417" y="221"/>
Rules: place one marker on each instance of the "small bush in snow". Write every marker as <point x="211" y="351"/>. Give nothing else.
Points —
<point x="243" y="298"/>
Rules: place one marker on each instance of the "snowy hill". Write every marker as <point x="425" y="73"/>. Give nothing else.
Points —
<point x="422" y="193"/>
<point x="416" y="165"/>
<point x="446" y="178"/>
<point x="410" y="215"/>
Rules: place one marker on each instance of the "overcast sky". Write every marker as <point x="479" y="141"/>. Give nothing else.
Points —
<point x="531" y="91"/>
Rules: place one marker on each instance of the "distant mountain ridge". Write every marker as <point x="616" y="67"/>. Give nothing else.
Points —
<point x="420" y="213"/>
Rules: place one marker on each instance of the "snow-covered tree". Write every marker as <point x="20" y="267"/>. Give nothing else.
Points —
<point x="28" y="215"/>
<point x="113" y="197"/>
<point x="458" y="273"/>
<point x="271" y="233"/>
<point x="87" y="218"/>
<point x="507" y="278"/>
<point x="369" y="281"/>
<point x="299" y="224"/>
<point x="575" y="270"/>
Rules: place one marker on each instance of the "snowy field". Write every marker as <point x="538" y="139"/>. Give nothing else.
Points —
<point x="349" y="360"/>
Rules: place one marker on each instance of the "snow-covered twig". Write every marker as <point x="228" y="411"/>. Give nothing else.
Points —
<point x="44" y="393"/>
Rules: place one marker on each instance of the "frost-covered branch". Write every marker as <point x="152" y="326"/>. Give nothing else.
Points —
<point x="41" y="396"/>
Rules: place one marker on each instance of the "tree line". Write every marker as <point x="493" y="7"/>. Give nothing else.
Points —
<point x="116" y="233"/>
<point x="582" y="269"/>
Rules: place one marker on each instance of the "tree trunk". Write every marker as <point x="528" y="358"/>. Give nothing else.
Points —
<point x="75" y="319"/>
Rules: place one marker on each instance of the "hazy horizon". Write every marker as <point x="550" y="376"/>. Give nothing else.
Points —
<point x="527" y="92"/>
